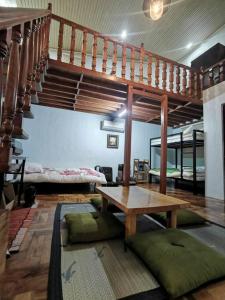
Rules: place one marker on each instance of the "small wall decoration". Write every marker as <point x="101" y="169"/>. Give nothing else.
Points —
<point x="112" y="141"/>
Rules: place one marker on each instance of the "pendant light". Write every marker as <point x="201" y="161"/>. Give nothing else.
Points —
<point x="155" y="9"/>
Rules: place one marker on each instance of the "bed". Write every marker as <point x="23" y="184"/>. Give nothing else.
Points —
<point x="188" y="173"/>
<point x="176" y="138"/>
<point x="35" y="173"/>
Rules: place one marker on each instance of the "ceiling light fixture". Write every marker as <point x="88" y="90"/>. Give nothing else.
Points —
<point x="155" y="9"/>
<point x="122" y="113"/>
<point x="189" y="45"/>
<point x="123" y="35"/>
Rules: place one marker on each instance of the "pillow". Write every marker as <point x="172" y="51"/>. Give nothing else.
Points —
<point x="184" y="218"/>
<point x="179" y="262"/>
<point x="89" y="227"/>
<point x="33" y="168"/>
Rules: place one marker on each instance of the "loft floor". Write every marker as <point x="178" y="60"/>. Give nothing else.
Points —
<point x="27" y="271"/>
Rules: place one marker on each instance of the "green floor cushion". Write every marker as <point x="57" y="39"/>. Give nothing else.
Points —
<point x="184" y="218"/>
<point x="88" y="227"/>
<point x="98" y="204"/>
<point x="179" y="262"/>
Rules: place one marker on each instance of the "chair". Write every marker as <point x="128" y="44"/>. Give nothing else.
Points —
<point x="108" y="172"/>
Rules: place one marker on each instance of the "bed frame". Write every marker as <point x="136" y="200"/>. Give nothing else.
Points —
<point x="196" y="185"/>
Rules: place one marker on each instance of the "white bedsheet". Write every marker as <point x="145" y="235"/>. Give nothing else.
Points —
<point x="53" y="175"/>
<point x="176" y="138"/>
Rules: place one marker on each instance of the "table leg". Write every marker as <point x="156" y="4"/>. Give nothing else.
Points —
<point x="130" y="225"/>
<point x="172" y="219"/>
<point x="104" y="205"/>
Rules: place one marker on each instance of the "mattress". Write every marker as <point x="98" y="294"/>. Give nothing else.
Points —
<point x="171" y="172"/>
<point x="187" y="173"/>
<point x="57" y="175"/>
<point x="176" y="138"/>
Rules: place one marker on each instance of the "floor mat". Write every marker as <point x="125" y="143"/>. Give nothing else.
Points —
<point x="101" y="270"/>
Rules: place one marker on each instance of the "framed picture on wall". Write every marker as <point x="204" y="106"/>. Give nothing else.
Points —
<point x="112" y="141"/>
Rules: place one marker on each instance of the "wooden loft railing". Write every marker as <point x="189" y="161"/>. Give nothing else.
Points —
<point x="214" y="75"/>
<point x="129" y="63"/>
<point x="24" y="43"/>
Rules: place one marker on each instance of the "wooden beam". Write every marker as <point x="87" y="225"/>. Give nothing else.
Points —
<point x="127" y="142"/>
<point x="163" y="160"/>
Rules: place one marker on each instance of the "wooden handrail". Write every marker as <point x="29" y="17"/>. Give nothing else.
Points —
<point x="110" y="39"/>
<point x="24" y="43"/>
<point x="13" y="16"/>
<point x="135" y="63"/>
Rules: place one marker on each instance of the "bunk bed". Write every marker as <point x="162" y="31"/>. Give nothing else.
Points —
<point x="193" y="175"/>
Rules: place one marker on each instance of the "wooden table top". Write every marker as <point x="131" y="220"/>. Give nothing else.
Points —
<point x="137" y="200"/>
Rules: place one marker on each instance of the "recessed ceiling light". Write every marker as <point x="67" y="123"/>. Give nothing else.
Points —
<point x="189" y="45"/>
<point x="124" y="34"/>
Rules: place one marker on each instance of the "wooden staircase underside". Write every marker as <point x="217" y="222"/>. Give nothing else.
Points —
<point x="74" y="88"/>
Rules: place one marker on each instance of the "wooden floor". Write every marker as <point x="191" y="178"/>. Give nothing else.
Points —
<point x="26" y="275"/>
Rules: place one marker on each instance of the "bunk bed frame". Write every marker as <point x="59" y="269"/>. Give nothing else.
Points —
<point x="194" y="143"/>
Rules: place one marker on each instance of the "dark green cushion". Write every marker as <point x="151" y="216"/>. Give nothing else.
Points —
<point x="179" y="262"/>
<point x="98" y="204"/>
<point x="184" y="218"/>
<point x="88" y="227"/>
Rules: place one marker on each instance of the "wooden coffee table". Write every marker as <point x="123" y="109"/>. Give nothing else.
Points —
<point x="134" y="200"/>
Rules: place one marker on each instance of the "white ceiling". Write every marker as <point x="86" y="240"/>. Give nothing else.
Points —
<point x="187" y="21"/>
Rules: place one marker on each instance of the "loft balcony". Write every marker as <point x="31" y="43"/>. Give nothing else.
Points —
<point x="93" y="77"/>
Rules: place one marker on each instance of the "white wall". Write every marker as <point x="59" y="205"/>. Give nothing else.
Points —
<point x="63" y="138"/>
<point x="214" y="97"/>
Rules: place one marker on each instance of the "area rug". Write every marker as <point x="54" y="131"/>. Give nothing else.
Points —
<point x="103" y="270"/>
<point x="99" y="270"/>
<point x="20" y="220"/>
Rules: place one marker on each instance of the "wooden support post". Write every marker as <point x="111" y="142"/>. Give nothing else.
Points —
<point x="127" y="142"/>
<point x="163" y="162"/>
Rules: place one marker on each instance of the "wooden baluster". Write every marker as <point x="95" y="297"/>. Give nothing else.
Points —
<point x="38" y="75"/>
<point x="3" y="53"/>
<point x="178" y="79"/>
<point x="33" y="92"/>
<point x="60" y="41"/>
<point x="132" y="64"/>
<point x="150" y="69"/>
<point x="124" y="59"/>
<point x="142" y="53"/>
<point x="48" y="32"/>
<point x="94" y="52"/>
<point x="104" y="60"/>
<point x="114" y="60"/>
<point x="211" y="79"/>
<point x="27" y="97"/>
<point x="199" y="86"/>
<point x="84" y="49"/>
<point x="171" y="77"/>
<point x="157" y="73"/>
<point x="42" y="54"/>
<point x="72" y="44"/>
<point x="184" y="82"/>
<point x="191" y="83"/>
<point x="164" y="75"/>
<point x="18" y="131"/>
<point x="10" y="99"/>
